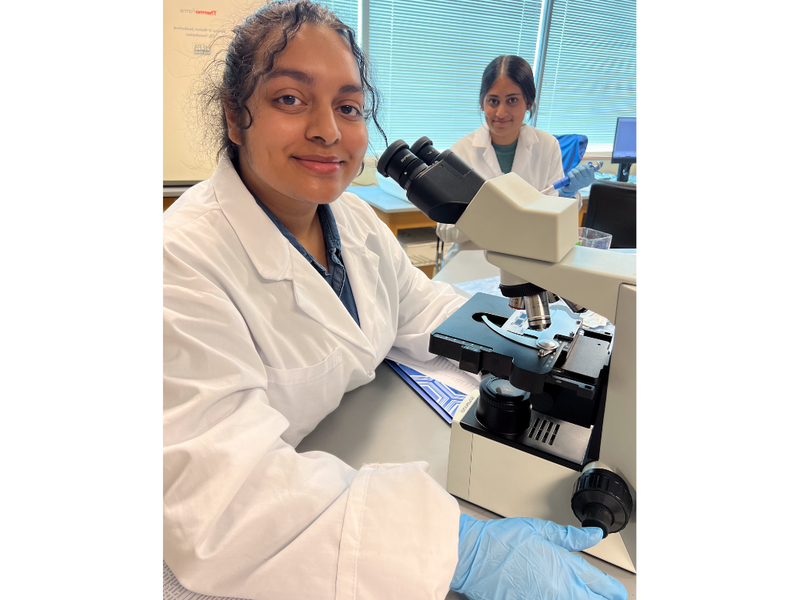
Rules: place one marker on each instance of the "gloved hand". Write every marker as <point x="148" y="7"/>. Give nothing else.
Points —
<point x="529" y="558"/>
<point x="579" y="178"/>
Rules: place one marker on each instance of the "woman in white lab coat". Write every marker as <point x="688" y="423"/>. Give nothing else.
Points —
<point x="505" y="144"/>
<point x="281" y="293"/>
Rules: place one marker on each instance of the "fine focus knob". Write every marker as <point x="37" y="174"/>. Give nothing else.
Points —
<point x="502" y="407"/>
<point x="601" y="499"/>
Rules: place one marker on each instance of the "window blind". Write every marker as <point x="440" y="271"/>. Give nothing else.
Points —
<point x="428" y="57"/>
<point x="346" y="10"/>
<point x="590" y="70"/>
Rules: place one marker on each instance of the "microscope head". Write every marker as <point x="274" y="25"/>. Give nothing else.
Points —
<point x="440" y="184"/>
<point x="504" y="214"/>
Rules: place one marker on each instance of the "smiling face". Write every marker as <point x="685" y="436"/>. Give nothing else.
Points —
<point x="504" y="108"/>
<point x="308" y="136"/>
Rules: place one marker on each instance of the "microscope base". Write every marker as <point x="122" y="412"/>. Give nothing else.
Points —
<point x="511" y="483"/>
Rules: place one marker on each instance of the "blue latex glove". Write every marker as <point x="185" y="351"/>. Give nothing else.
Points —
<point x="579" y="178"/>
<point x="529" y="558"/>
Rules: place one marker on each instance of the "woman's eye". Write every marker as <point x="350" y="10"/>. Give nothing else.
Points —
<point x="350" y="111"/>
<point x="512" y="100"/>
<point x="288" y="100"/>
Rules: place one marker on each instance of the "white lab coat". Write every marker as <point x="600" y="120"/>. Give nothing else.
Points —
<point x="537" y="160"/>
<point x="257" y="351"/>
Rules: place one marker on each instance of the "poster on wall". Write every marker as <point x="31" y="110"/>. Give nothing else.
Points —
<point x="193" y="34"/>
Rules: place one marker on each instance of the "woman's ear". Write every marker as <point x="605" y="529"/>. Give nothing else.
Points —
<point x="531" y="109"/>
<point x="234" y="131"/>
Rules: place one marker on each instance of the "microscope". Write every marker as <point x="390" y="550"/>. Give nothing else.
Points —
<point x="551" y="432"/>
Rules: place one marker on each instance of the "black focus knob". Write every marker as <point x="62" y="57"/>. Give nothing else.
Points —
<point x="601" y="498"/>
<point x="502" y="407"/>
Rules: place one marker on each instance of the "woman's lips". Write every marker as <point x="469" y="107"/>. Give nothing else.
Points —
<point x="322" y="165"/>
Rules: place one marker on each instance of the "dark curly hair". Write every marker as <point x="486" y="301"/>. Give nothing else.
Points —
<point x="251" y="54"/>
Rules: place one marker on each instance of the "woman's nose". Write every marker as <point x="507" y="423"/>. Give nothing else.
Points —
<point x="322" y="126"/>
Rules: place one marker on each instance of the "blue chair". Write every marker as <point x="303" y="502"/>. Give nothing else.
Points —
<point x="573" y="146"/>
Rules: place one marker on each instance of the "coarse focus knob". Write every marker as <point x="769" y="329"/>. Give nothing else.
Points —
<point x="502" y="407"/>
<point x="601" y="499"/>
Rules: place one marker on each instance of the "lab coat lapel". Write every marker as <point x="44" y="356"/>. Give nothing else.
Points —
<point x="263" y="242"/>
<point x="316" y="298"/>
<point x="483" y="147"/>
<point x="362" y="267"/>
<point x="524" y="154"/>
<point x="276" y="259"/>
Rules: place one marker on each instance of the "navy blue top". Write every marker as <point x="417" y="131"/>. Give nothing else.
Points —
<point x="337" y="276"/>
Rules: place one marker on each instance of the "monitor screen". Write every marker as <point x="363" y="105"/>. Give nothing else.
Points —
<point x="624" y="150"/>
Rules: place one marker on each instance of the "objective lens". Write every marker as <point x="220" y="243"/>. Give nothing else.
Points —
<point x="399" y="163"/>
<point x="538" y="311"/>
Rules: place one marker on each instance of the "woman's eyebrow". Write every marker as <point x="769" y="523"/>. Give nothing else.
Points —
<point x="300" y="76"/>
<point x="351" y="89"/>
<point x="310" y="80"/>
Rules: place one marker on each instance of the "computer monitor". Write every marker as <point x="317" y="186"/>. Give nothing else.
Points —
<point x="624" y="150"/>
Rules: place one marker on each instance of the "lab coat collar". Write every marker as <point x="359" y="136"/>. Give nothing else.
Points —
<point x="275" y="259"/>
<point x="524" y="155"/>
<point x="362" y="266"/>
<point x="316" y="298"/>
<point x="483" y="139"/>
<point x="528" y="136"/>
<point x="261" y="239"/>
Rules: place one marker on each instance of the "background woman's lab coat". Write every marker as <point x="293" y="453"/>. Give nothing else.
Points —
<point x="537" y="160"/>
<point x="257" y="351"/>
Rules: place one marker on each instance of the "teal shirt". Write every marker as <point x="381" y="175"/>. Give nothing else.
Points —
<point x="505" y="155"/>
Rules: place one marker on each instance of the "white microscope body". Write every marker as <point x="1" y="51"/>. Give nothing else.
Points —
<point x="532" y="238"/>
<point x="582" y="404"/>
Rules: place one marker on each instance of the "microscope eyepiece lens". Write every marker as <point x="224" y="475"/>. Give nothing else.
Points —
<point x="423" y="148"/>
<point x="440" y="184"/>
<point x="399" y="163"/>
<point x="388" y="154"/>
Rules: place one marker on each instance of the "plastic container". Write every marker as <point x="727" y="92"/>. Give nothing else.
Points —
<point x="591" y="238"/>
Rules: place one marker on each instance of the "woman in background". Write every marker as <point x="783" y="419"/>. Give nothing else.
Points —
<point x="505" y="144"/>
<point x="282" y="293"/>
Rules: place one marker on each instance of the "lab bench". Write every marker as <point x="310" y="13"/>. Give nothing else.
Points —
<point x="396" y="213"/>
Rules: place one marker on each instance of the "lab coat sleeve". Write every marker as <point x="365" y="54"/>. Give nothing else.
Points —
<point x="423" y="303"/>
<point x="450" y="234"/>
<point x="555" y="170"/>
<point x="247" y="516"/>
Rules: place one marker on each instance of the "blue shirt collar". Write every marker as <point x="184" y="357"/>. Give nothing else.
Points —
<point x="333" y="243"/>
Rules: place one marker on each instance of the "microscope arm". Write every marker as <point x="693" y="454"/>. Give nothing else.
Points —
<point x="586" y="276"/>
<point x="532" y="237"/>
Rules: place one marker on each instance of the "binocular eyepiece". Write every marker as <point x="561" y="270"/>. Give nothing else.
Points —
<point x="440" y="184"/>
